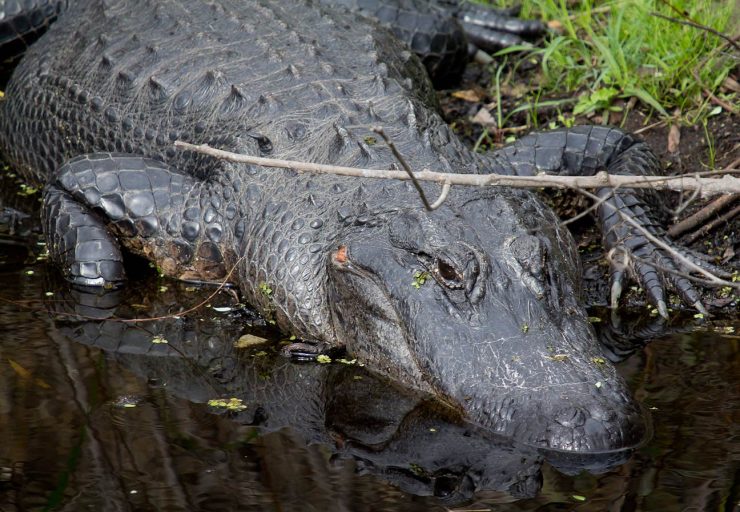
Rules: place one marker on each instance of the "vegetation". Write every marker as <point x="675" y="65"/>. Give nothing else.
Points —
<point x="604" y="56"/>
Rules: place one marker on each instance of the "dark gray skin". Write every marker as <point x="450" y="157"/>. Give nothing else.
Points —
<point x="497" y="329"/>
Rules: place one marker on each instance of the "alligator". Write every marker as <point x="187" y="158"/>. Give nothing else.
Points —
<point x="476" y="302"/>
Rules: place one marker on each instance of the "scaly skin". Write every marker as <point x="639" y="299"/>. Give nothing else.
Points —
<point x="495" y="328"/>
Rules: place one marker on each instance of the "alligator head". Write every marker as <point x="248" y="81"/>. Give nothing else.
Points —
<point x="477" y="302"/>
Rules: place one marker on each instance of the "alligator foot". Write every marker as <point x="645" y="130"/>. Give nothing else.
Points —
<point x="635" y="252"/>
<point x="101" y="202"/>
<point x="492" y="29"/>
<point x="79" y="241"/>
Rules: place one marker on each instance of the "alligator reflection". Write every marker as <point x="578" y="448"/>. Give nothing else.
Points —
<point x="413" y="442"/>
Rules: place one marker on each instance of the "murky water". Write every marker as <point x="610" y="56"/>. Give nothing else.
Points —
<point x="98" y="413"/>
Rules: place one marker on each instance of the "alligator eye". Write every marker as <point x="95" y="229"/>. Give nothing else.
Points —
<point x="445" y="485"/>
<point x="448" y="274"/>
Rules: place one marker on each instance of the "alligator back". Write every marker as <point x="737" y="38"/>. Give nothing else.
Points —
<point x="284" y="78"/>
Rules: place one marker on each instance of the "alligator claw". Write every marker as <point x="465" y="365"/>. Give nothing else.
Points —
<point x="617" y="277"/>
<point x="662" y="309"/>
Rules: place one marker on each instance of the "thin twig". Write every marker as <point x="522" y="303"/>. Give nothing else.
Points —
<point x="708" y="186"/>
<point x="699" y="26"/>
<point x="702" y="215"/>
<point x="650" y="126"/>
<point x="685" y="203"/>
<point x="594" y="206"/>
<point x="735" y="163"/>
<point x="442" y="196"/>
<point x="405" y="166"/>
<point x="676" y="272"/>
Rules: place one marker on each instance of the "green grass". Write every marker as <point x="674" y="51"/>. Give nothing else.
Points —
<point x="618" y="51"/>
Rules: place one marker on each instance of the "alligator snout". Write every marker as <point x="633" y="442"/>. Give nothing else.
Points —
<point x="596" y="428"/>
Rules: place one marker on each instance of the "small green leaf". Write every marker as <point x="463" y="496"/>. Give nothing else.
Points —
<point x="646" y="97"/>
<point x="231" y="404"/>
<point x="323" y="359"/>
<point x="265" y="289"/>
<point x="578" y="497"/>
<point x="420" y="277"/>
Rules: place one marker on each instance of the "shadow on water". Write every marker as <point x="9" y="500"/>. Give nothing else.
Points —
<point x="105" y="414"/>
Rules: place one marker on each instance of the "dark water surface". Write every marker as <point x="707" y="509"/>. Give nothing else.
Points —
<point x="96" y="415"/>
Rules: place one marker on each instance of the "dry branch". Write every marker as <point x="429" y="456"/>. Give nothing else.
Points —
<point x="701" y="216"/>
<point x="696" y="181"/>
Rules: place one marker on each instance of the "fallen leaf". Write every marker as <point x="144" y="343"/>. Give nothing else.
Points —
<point x="731" y="84"/>
<point x="249" y="340"/>
<point x="674" y="138"/>
<point x="470" y="95"/>
<point x="484" y="117"/>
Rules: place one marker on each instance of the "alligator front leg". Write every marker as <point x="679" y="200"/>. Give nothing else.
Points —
<point x="101" y="202"/>
<point x="623" y="214"/>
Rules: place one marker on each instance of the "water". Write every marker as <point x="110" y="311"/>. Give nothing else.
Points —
<point x="96" y="415"/>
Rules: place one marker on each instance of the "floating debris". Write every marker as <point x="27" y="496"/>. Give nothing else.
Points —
<point x="230" y="404"/>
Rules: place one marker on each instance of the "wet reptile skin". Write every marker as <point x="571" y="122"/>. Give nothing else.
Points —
<point x="296" y="81"/>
